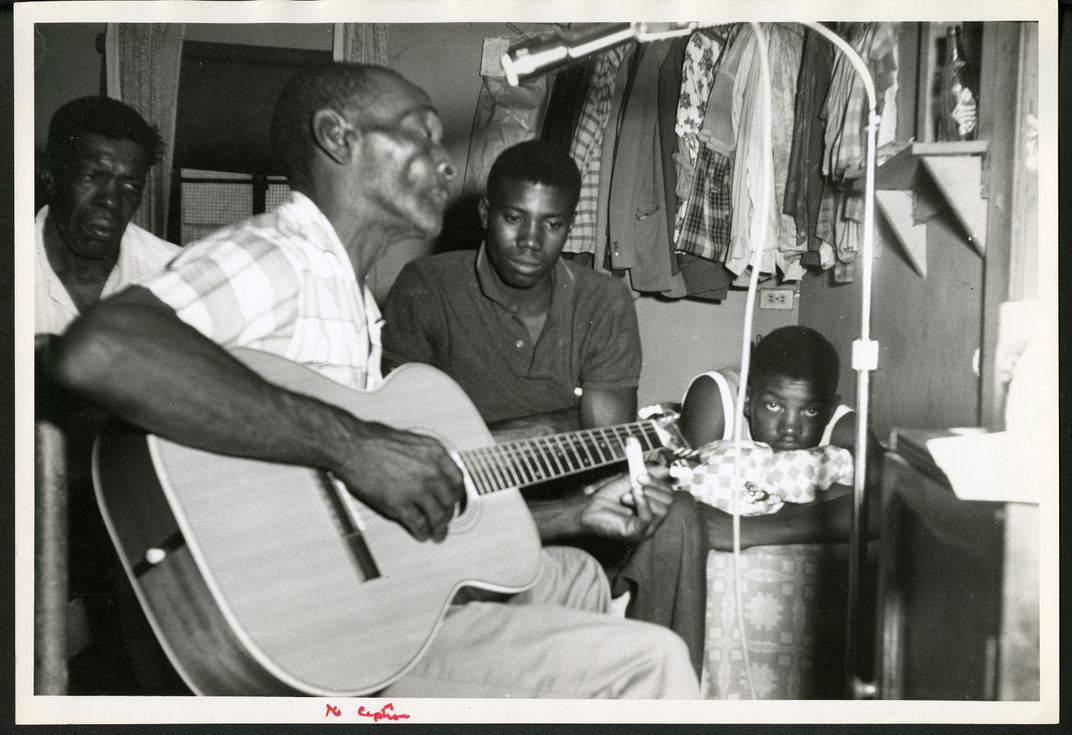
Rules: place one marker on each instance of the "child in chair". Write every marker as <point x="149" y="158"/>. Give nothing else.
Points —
<point x="791" y="403"/>
<point x="791" y="407"/>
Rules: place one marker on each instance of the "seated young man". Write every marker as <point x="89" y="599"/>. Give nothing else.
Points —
<point x="544" y="346"/>
<point x="791" y="404"/>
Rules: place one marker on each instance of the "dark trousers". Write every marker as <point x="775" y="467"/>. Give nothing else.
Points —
<point x="666" y="575"/>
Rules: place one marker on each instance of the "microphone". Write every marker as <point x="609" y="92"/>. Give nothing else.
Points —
<point x="552" y="51"/>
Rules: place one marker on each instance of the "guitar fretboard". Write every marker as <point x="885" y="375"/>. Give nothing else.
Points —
<point x="529" y="461"/>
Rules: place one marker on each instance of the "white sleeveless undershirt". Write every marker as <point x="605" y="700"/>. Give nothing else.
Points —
<point x="728" y="381"/>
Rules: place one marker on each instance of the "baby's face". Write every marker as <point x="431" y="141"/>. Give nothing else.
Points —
<point x="786" y="413"/>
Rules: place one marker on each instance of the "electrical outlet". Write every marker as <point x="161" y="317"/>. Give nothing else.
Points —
<point x="776" y="298"/>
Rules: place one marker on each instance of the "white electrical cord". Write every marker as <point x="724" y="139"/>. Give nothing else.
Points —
<point x="746" y="341"/>
<point x="865" y="351"/>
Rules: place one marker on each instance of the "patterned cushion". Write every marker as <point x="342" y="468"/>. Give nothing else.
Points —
<point x="767" y="479"/>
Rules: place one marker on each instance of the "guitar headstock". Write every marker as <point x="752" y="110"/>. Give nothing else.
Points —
<point x="664" y="418"/>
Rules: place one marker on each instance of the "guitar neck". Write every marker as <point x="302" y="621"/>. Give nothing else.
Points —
<point x="529" y="461"/>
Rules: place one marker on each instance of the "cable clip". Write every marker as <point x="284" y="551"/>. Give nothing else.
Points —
<point x="864" y="354"/>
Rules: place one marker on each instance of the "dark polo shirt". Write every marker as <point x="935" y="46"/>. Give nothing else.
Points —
<point x="445" y="310"/>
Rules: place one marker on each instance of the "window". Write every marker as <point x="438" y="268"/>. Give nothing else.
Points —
<point x="223" y="170"/>
<point x="209" y="200"/>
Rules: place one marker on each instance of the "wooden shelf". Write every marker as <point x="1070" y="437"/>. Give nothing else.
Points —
<point x="896" y="207"/>
<point x="900" y="171"/>
<point x="945" y="175"/>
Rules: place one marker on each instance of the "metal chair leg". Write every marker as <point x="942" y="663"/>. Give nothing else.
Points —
<point x="50" y="560"/>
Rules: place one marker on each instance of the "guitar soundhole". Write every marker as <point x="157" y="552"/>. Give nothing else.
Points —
<point x="466" y="512"/>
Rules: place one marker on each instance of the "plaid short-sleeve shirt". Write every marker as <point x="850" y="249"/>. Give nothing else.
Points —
<point x="280" y="282"/>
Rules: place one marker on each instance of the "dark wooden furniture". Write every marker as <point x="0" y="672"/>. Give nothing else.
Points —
<point x="958" y="587"/>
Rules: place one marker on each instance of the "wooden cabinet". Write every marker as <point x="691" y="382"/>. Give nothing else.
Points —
<point x="958" y="588"/>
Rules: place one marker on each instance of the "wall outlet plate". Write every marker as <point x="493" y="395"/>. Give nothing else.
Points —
<point x="777" y="298"/>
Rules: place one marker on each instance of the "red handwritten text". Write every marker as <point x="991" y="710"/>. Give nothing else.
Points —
<point x="383" y="714"/>
<point x="332" y="710"/>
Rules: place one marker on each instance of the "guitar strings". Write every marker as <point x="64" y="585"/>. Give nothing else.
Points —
<point x="526" y="462"/>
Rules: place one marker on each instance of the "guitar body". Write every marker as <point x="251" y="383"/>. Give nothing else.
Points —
<point x="246" y="571"/>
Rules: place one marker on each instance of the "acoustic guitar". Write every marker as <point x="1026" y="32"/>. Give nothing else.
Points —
<point x="266" y="578"/>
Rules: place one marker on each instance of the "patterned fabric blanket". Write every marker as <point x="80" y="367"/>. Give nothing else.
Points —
<point x="794" y="599"/>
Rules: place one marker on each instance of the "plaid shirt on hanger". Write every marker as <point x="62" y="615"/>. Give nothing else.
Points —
<point x="705" y="226"/>
<point x="586" y="148"/>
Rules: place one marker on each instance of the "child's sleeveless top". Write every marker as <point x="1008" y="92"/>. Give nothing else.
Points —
<point x="728" y="381"/>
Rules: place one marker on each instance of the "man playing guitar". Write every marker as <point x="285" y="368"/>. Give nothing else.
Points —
<point x="365" y="159"/>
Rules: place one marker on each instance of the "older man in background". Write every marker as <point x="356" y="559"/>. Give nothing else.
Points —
<point x="97" y="156"/>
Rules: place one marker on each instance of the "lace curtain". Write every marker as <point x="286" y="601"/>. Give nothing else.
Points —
<point x="142" y="61"/>
<point x="363" y="43"/>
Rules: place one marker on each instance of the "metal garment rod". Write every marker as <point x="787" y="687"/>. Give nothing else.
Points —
<point x="865" y="351"/>
<point x="864" y="360"/>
